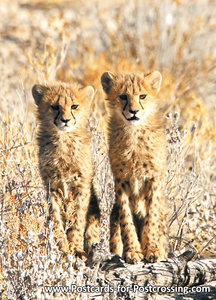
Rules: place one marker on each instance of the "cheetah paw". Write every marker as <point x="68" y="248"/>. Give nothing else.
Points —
<point x="133" y="256"/>
<point x="153" y="255"/>
<point x="77" y="251"/>
<point x="63" y="245"/>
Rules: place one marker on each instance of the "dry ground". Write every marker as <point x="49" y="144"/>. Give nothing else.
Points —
<point x="61" y="40"/>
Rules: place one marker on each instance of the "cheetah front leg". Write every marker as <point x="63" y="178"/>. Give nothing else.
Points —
<point x="116" y="245"/>
<point x="132" y="249"/>
<point x="57" y="213"/>
<point x="76" y="234"/>
<point x="154" y="238"/>
<point x="92" y="234"/>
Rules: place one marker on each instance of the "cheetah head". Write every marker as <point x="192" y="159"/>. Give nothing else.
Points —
<point x="131" y="96"/>
<point x="63" y="106"/>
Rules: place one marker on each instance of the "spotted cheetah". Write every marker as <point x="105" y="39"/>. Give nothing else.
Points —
<point x="65" y="162"/>
<point x="137" y="151"/>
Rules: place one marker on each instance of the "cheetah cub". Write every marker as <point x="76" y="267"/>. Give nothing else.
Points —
<point x="65" y="162"/>
<point x="137" y="151"/>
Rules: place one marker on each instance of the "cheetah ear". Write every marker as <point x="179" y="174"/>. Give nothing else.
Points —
<point x="106" y="81"/>
<point x="154" y="80"/>
<point x="89" y="92"/>
<point x="38" y="92"/>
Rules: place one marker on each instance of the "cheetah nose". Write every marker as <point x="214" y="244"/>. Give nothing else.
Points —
<point x="65" y="120"/>
<point x="133" y="111"/>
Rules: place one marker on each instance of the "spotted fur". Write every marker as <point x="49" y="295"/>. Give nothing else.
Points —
<point x="137" y="151"/>
<point x="65" y="162"/>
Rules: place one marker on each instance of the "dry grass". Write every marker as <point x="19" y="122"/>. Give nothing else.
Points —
<point x="62" y="40"/>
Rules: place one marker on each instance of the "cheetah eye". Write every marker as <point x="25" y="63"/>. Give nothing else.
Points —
<point x="55" y="107"/>
<point x="123" y="97"/>
<point x="142" y="97"/>
<point x="74" y="106"/>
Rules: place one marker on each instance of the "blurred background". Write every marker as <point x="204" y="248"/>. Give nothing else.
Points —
<point x="67" y="39"/>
